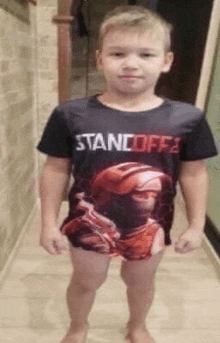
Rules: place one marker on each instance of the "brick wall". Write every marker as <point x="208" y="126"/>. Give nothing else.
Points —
<point x="17" y="131"/>
<point x="47" y="64"/>
<point x="28" y="93"/>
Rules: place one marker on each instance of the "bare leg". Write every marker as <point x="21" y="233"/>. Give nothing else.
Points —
<point x="79" y="302"/>
<point x="90" y="271"/>
<point x="139" y="278"/>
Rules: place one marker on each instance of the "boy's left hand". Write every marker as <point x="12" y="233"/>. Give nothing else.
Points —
<point x="191" y="239"/>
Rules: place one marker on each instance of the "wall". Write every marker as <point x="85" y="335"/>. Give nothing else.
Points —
<point x="28" y="93"/>
<point x="47" y="64"/>
<point x="213" y="115"/>
<point x="18" y="115"/>
<point x="208" y="99"/>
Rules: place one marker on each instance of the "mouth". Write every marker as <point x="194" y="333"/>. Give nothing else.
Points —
<point x="129" y="77"/>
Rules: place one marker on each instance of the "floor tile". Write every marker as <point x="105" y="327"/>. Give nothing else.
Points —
<point x="33" y="313"/>
<point x="183" y="336"/>
<point x="24" y="335"/>
<point x="46" y="264"/>
<point x="34" y="285"/>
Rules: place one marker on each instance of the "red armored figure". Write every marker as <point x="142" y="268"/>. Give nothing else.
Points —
<point x="119" y="220"/>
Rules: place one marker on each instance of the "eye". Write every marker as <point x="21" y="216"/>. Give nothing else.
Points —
<point x="147" y="55"/>
<point x="117" y="54"/>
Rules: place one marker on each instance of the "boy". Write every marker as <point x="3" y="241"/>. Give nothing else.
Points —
<point x="127" y="148"/>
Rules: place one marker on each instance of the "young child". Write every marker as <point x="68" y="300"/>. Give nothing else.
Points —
<point x="127" y="148"/>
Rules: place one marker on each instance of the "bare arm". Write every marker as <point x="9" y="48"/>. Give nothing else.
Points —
<point x="53" y="183"/>
<point x="194" y="185"/>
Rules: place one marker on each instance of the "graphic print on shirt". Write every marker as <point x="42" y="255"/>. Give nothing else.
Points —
<point x="140" y="142"/>
<point x="97" y="140"/>
<point x="120" y="215"/>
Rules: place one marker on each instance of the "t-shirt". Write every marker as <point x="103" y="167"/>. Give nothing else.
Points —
<point x="126" y="164"/>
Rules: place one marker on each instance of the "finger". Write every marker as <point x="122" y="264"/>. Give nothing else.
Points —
<point x="50" y="248"/>
<point x="64" y="251"/>
<point x="186" y="248"/>
<point x="61" y="245"/>
<point x="181" y="246"/>
<point x="57" y="246"/>
<point x="64" y="246"/>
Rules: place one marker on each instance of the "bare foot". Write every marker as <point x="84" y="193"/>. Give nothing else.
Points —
<point x="138" y="335"/>
<point x="77" y="335"/>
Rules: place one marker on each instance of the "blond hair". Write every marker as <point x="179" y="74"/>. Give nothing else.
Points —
<point x="136" y="17"/>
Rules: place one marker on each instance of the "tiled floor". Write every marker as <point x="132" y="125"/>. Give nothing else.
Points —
<point x="32" y="301"/>
<point x="186" y="307"/>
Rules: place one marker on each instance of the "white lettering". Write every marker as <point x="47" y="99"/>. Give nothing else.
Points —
<point x="80" y="145"/>
<point x="99" y="142"/>
<point x="88" y="138"/>
<point x="113" y="142"/>
<point x="125" y="141"/>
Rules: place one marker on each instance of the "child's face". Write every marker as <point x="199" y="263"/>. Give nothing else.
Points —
<point x="132" y="62"/>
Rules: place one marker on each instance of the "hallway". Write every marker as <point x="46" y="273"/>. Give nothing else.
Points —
<point x="33" y="308"/>
<point x="186" y="307"/>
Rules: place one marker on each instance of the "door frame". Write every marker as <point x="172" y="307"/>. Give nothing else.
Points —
<point x="209" y="57"/>
<point x="63" y="20"/>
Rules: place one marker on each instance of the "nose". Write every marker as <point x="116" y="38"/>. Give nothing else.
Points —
<point x="130" y="62"/>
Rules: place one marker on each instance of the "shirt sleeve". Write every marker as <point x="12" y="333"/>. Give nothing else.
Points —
<point x="56" y="139"/>
<point x="199" y="144"/>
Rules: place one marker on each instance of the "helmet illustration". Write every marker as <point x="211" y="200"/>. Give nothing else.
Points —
<point x="127" y="177"/>
<point x="126" y="193"/>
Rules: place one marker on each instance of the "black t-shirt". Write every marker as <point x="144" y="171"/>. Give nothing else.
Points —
<point x="126" y="164"/>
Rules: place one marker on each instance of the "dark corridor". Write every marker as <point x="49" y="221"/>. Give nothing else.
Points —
<point x="190" y="20"/>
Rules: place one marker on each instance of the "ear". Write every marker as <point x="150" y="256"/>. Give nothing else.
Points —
<point x="168" y="61"/>
<point x="98" y="60"/>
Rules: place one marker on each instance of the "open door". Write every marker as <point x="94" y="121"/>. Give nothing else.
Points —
<point x="191" y="22"/>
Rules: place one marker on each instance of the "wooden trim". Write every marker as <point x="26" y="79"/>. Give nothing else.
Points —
<point x="64" y="62"/>
<point x="209" y="57"/>
<point x="34" y="2"/>
<point x="63" y="19"/>
<point x="64" y="7"/>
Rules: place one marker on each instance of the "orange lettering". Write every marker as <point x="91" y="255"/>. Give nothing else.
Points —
<point x="153" y="142"/>
<point x="139" y="143"/>
<point x="176" y="148"/>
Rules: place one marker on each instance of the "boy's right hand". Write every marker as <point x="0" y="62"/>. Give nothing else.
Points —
<point x="53" y="241"/>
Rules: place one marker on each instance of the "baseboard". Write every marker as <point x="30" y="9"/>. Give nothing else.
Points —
<point x="213" y="256"/>
<point x="4" y="273"/>
<point x="213" y="235"/>
<point x="212" y="244"/>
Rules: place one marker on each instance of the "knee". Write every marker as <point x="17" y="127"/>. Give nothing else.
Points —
<point x="137" y="278"/>
<point x="131" y="280"/>
<point x="139" y="284"/>
<point x="88" y="282"/>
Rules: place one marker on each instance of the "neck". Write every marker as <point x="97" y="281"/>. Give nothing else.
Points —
<point x="131" y="101"/>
